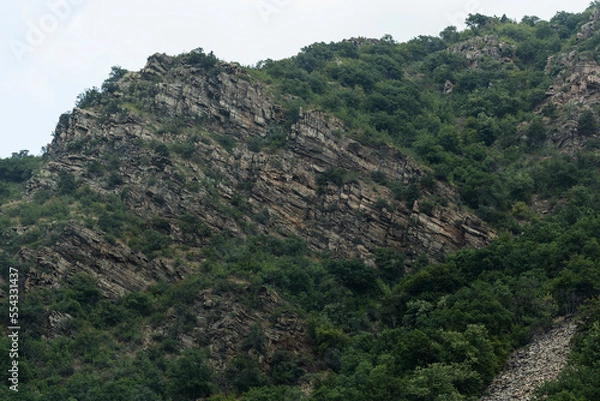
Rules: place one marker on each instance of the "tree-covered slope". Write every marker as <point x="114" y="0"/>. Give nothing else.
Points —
<point x="367" y="220"/>
<point x="480" y="107"/>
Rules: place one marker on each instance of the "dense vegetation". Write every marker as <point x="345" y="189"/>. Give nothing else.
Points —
<point x="443" y="330"/>
<point x="473" y="137"/>
<point x="15" y="171"/>
<point x="376" y="331"/>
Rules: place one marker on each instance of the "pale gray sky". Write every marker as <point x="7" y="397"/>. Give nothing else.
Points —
<point x="51" y="50"/>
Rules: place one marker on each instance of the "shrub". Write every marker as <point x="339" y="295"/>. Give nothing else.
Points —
<point x="162" y="150"/>
<point x="90" y="97"/>
<point x="379" y="177"/>
<point x="18" y="168"/>
<point x="66" y="183"/>
<point x="255" y="340"/>
<point x="244" y="373"/>
<point x="334" y="175"/>
<point x="586" y="124"/>
<point x="185" y="150"/>
<point x="84" y="290"/>
<point x="263" y="217"/>
<point x="353" y="273"/>
<point x="192" y="224"/>
<point x="390" y="263"/>
<point x="114" y="180"/>
<point x="138" y="302"/>
<point x="426" y="206"/>
<point x="190" y="376"/>
<point x="381" y="204"/>
<point x="226" y="141"/>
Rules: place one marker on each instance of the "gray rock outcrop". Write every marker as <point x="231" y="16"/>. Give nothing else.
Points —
<point x="531" y="366"/>
<point x="218" y="114"/>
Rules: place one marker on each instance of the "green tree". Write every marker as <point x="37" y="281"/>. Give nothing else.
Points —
<point x="190" y="377"/>
<point x="90" y="97"/>
<point x="475" y="21"/>
<point x="587" y="124"/>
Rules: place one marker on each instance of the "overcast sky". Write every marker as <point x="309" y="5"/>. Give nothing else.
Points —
<point x="51" y="50"/>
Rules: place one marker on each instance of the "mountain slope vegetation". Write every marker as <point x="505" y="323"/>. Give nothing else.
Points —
<point x="366" y="220"/>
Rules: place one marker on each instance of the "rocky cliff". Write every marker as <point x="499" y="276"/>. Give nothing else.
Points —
<point x="576" y="87"/>
<point x="177" y="139"/>
<point x="195" y="206"/>
<point x="481" y="47"/>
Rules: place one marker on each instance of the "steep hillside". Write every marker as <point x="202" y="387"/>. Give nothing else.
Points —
<point x="309" y="179"/>
<point x="365" y="220"/>
<point x="181" y="140"/>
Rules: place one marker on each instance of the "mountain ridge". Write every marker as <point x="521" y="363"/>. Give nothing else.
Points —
<point x="366" y="220"/>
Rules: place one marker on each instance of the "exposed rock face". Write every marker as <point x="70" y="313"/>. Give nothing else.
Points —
<point x="81" y="250"/>
<point x="566" y="138"/>
<point x="580" y="82"/>
<point x="58" y="324"/>
<point x="575" y="87"/>
<point x="177" y="139"/>
<point x="589" y="27"/>
<point x="224" y="99"/>
<point x="220" y="114"/>
<point x="362" y="41"/>
<point x="533" y="365"/>
<point x="576" y="73"/>
<point x="226" y="326"/>
<point x="448" y="87"/>
<point x="479" y="47"/>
